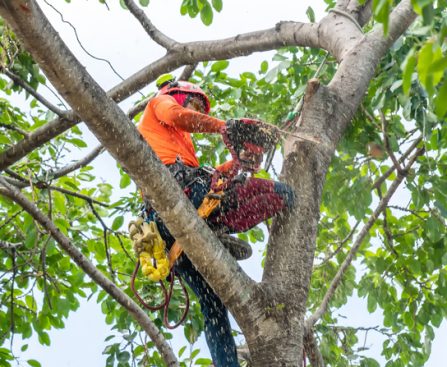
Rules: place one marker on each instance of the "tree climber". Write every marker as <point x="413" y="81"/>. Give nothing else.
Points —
<point x="181" y="108"/>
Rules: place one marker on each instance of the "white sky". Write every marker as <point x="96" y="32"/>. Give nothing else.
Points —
<point x="117" y="36"/>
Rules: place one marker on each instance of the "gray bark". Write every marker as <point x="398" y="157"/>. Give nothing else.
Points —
<point x="271" y="313"/>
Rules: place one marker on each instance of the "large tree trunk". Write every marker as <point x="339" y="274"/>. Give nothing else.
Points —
<point x="271" y="313"/>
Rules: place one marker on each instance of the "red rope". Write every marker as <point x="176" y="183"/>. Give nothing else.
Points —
<point x="167" y="297"/>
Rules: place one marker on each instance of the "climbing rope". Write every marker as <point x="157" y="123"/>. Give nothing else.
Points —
<point x="347" y="15"/>
<point x="292" y="117"/>
<point x="151" y="251"/>
<point x="156" y="265"/>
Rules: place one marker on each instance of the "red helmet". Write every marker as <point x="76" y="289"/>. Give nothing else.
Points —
<point x="173" y="87"/>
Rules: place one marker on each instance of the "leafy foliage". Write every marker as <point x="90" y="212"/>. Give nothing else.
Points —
<point x="401" y="269"/>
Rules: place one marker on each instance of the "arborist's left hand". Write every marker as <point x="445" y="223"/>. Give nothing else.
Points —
<point x="247" y="140"/>
<point x="250" y="161"/>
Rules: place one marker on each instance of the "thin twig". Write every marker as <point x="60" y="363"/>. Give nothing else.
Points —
<point x="11" y="218"/>
<point x="14" y="273"/>
<point x="79" y="164"/>
<point x="387" y="143"/>
<point x="358" y="242"/>
<point x="9" y="246"/>
<point x="118" y="235"/>
<point x="414" y="212"/>
<point x="15" y="128"/>
<point x="86" y="265"/>
<point x="400" y="160"/>
<point x="340" y="246"/>
<point x="388" y="235"/>
<point x="43" y="254"/>
<point x="312" y="350"/>
<point x="105" y="229"/>
<point x="20" y="182"/>
<point x="16" y="79"/>
<point x="381" y="330"/>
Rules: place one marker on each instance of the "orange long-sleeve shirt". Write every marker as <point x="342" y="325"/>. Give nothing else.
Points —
<point x="166" y="126"/>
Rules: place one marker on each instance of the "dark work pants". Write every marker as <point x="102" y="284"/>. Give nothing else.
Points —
<point x="244" y="206"/>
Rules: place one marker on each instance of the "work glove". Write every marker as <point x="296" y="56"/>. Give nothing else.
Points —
<point x="142" y="236"/>
<point x="248" y="140"/>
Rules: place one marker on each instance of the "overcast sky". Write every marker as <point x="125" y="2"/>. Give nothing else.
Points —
<point x="116" y="36"/>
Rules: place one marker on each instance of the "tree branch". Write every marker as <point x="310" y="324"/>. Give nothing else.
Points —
<point x="283" y="34"/>
<point x="387" y="174"/>
<point x="84" y="263"/>
<point x="150" y="29"/>
<point x="79" y="164"/>
<point x="387" y="143"/>
<point x="187" y="72"/>
<point x="17" y="80"/>
<point x="21" y="183"/>
<point x="114" y="130"/>
<point x="15" y="128"/>
<point x="358" y="242"/>
<point x="9" y="246"/>
<point x="350" y="83"/>
<point x="312" y="350"/>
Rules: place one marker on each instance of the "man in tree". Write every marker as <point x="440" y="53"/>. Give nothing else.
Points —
<point x="181" y="108"/>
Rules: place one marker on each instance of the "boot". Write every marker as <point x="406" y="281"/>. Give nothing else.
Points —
<point x="238" y="248"/>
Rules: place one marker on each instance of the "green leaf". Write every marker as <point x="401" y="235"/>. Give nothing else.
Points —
<point x="429" y="54"/>
<point x="428" y="14"/>
<point x="31" y="237"/>
<point x="144" y="2"/>
<point x="195" y="353"/>
<point x="369" y="362"/>
<point x="203" y="362"/>
<point x="220" y="65"/>
<point x="181" y="351"/>
<point x="33" y="363"/>
<point x="434" y="229"/>
<point x="264" y="67"/>
<point x="125" y="180"/>
<point x="4" y="139"/>
<point x="206" y="14"/>
<point x="372" y="303"/>
<point x="217" y="4"/>
<point x="117" y="222"/>
<point x="382" y="12"/>
<point x="310" y="14"/>
<point x="408" y="69"/>
<point x="123" y="357"/>
<point x="440" y="101"/>
<point x="44" y="338"/>
<point x="440" y="65"/>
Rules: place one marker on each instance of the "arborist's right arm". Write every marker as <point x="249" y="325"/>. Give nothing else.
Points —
<point x="168" y="111"/>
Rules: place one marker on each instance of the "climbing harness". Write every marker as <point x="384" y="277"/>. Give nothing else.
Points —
<point x="209" y="204"/>
<point x="150" y="248"/>
<point x="252" y="136"/>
